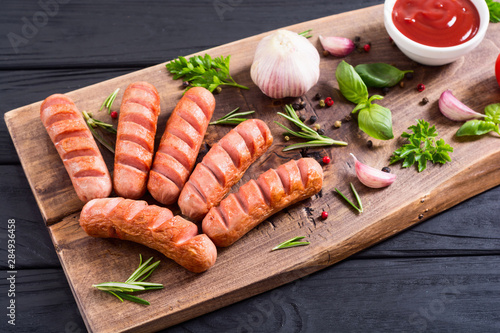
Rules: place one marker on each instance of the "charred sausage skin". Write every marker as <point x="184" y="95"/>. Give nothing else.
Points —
<point x="76" y="147"/>
<point x="223" y="166"/>
<point x="258" y="199"/>
<point x="180" y="144"/>
<point x="135" y="139"/>
<point x="150" y="225"/>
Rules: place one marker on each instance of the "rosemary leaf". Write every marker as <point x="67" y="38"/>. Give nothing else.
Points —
<point x="108" y="102"/>
<point x="358" y="199"/>
<point x="290" y="243"/>
<point x="232" y="118"/>
<point x="306" y="33"/>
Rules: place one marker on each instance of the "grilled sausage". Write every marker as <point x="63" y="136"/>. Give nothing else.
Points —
<point x="223" y="166"/>
<point x="180" y="144"/>
<point x="135" y="139"/>
<point x="76" y="147"/>
<point x="152" y="226"/>
<point x="255" y="201"/>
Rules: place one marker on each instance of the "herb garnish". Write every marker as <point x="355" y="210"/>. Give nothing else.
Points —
<point x="108" y="102"/>
<point x="133" y="283"/>
<point x="232" y="118"/>
<point x="490" y="123"/>
<point x="93" y="124"/>
<point x="316" y="139"/>
<point x="422" y="147"/>
<point x="494" y="8"/>
<point x="290" y="243"/>
<point x="356" y="195"/>
<point x="203" y="71"/>
<point x="306" y="33"/>
<point x="380" y="75"/>
<point x="373" y="119"/>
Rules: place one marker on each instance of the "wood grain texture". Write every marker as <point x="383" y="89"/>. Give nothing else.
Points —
<point x="333" y="239"/>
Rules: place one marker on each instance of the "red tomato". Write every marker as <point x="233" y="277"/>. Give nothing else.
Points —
<point x="497" y="69"/>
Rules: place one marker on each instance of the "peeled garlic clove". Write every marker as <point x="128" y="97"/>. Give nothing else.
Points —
<point x="455" y="110"/>
<point x="337" y="46"/>
<point x="372" y="177"/>
<point x="285" y="65"/>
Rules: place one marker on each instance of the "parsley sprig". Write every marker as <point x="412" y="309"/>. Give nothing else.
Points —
<point x="203" y="71"/>
<point x="133" y="283"/>
<point x="422" y="146"/>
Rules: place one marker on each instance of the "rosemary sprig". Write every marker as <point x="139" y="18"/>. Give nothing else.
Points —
<point x="133" y="283"/>
<point x="290" y="243"/>
<point x="93" y="124"/>
<point x="316" y="140"/>
<point x="356" y="195"/>
<point x="109" y="100"/>
<point x="306" y="33"/>
<point x="232" y="118"/>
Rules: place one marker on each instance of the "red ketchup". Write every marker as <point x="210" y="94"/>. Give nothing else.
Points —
<point x="440" y="23"/>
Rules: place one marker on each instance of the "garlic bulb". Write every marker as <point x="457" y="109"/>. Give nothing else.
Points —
<point x="285" y="65"/>
<point x="372" y="177"/>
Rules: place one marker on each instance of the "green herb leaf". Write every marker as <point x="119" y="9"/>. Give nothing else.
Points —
<point x="350" y="83"/>
<point x="356" y="195"/>
<point x="376" y="121"/>
<point x="380" y="75"/>
<point x="232" y="118"/>
<point x="477" y="127"/>
<point x="108" y="102"/>
<point x="494" y="8"/>
<point x="492" y="112"/>
<point x="203" y="71"/>
<point x="422" y="146"/>
<point x="290" y="243"/>
<point x="133" y="283"/>
<point x="94" y="123"/>
<point x="316" y="140"/>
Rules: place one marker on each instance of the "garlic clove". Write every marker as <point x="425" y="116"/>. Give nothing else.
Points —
<point x="455" y="110"/>
<point x="337" y="46"/>
<point x="372" y="177"/>
<point x="285" y="65"/>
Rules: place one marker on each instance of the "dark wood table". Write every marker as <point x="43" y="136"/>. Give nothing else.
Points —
<point x="442" y="275"/>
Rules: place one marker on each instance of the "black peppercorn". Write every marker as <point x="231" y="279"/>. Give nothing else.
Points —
<point x="357" y="39"/>
<point x="385" y="90"/>
<point x="347" y="118"/>
<point x="296" y="106"/>
<point x="386" y="169"/>
<point x="313" y="119"/>
<point x="318" y="96"/>
<point x="302" y="105"/>
<point x="424" y="101"/>
<point x="409" y="75"/>
<point x="185" y="84"/>
<point x="321" y="131"/>
<point x="369" y="143"/>
<point x="302" y="118"/>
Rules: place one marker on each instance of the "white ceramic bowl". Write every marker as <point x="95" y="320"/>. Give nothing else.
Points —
<point x="430" y="55"/>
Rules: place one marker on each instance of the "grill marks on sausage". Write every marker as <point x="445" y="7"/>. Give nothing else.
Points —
<point x="223" y="166"/>
<point x="255" y="201"/>
<point x="135" y="139"/>
<point x="153" y="226"/>
<point x="181" y="141"/>
<point x="76" y="147"/>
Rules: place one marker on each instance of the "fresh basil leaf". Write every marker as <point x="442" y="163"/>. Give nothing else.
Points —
<point x="492" y="112"/>
<point x="350" y="83"/>
<point x="477" y="127"/>
<point x="380" y="75"/>
<point x="376" y="121"/>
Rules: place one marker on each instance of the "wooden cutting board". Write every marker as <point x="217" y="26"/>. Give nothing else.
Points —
<point x="249" y="267"/>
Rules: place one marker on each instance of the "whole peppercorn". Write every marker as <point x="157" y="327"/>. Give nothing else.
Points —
<point x="316" y="127"/>
<point x="369" y="143"/>
<point x="385" y="90"/>
<point x="322" y="103"/>
<point x="347" y="118"/>
<point x="386" y="169"/>
<point x="424" y="101"/>
<point x="313" y="119"/>
<point x="326" y="53"/>
<point x="302" y="105"/>
<point x="302" y="118"/>
<point x="185" y="84"/>
<point x="287" y="138"/>
<point x="357" y="39"/>
<point x="296" y="106"/>
<point x="114" y="114"/>
<point x="318" y="96"/>
<point x="218" y="90"/>
<point x="409" y="76"/>
<point x="402" y="84"/>
<point x="421" y="87"/>
<point x="367" y="47"/>
<point x="329" y="101"/>
<point x="337" y="124"/>
<point x="324" y="215"/>
<point x="326" y="159"/>
<point x="321" y="131"/>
